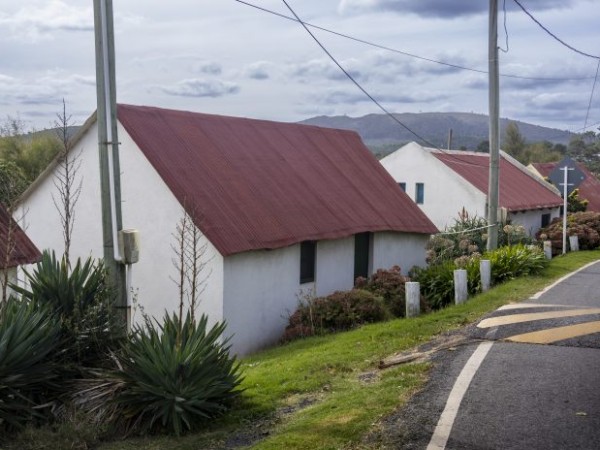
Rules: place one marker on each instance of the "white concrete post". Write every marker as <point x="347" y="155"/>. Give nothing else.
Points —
<point x="574" y="243"/>
<point x="548" y="249"/>
<point x="485" y="273"/>
<point x="413" y="296"/>
<point x="460" y="286"/>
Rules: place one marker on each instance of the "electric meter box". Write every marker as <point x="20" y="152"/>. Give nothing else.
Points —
<point x="129" y="245"/>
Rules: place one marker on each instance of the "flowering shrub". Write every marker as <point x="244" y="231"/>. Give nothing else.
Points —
<point x="584" y="225"/>
<point x="339" y="311"/>
<point x="390" y="286"/>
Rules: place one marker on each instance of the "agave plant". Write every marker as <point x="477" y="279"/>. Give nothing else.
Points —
<point x="28" y="337"/>
<point x="80" y="297"/>
<point x="177" y="374"/>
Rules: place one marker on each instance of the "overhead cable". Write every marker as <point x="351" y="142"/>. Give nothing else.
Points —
<point x="553" y="35"/>
<point x="401" y="52"/>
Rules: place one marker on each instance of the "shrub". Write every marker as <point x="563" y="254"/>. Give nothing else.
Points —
<point x="516" y="261"/>
<point x="586" y="225"/>
<point x="390" y="286"/>
<point x="339" y="311"/>
<point x="437" y="283"/>
<point x="176" y="375"/>
<point x="80" y="297"/>
<point x="468" y="236"/>
<point x="29" y="335"/>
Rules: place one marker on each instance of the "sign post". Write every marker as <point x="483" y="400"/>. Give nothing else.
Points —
<point x="570" y="178"/>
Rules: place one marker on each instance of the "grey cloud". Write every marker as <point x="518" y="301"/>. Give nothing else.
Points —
<point x="35" y="23"/>
<point x="208" y="68"/>
<point x="444" y="9"/>
<point x="198" y="87"/>
<point x="324" y="69"/>
<point x="345" y="97"/>
<point x="260" y="70"/>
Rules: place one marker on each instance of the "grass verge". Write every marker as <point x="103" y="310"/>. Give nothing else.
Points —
<point x="326" y="392"/>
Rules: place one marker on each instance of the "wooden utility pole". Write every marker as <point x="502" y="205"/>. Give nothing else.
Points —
<point x="108" y="147"/>
<point x="494" y="113"/>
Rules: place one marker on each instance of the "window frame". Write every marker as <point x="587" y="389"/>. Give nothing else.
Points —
<point x="419" y="193"/>
<point x="308" y="261"/>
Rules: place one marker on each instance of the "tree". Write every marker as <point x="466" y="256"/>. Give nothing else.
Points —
<point x="513" y="141"/>
<point x="191" y="264"/>
<point x="483" y="146"/>
<point x="66" y="180"/>
<point x="575" y="203"/>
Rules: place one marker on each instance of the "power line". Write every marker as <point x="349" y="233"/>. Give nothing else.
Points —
<point x="356" y="83"/>
<point x="553" y="35"/>
<point x="400" y="52"/>
<point x="364" y="91"/>
<point x="587" y="113"/>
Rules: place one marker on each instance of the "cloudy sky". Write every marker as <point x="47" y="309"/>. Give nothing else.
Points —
<point x="225" y="57"/>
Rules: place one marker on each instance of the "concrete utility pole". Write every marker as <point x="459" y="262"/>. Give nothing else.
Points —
<point x="108" y="147"/>
<point x="494" y="95"/>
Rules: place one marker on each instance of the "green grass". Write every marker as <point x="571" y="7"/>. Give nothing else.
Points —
<point x="330" y="385"/>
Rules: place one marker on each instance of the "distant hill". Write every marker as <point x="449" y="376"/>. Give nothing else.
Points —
<point x="383" y="135"/>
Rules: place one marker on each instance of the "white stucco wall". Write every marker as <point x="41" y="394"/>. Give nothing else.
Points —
<point x="532" y="220"/>
<point x="262" y="288"/>
<point x="147" y="205"/>
<point x="261" y="291"/>
<point x="446" y="192"/>
<point x="334" y="266"/>
<point x="399" y="249"/>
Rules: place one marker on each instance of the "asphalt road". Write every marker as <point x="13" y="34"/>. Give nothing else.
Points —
<point x="529" y="378"/>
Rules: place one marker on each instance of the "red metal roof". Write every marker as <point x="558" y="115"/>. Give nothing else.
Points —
<point x="255" y="184"/>
<point x="589" y="189"/>
<point x="19" y="248"/>
<point x="518" y="191"/>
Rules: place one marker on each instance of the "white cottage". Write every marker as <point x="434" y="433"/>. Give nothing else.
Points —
<point x="444" y="182"/>
<point x="283" y="208"/>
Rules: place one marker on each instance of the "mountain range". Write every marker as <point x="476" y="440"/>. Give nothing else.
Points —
<point x="382" y="134"/>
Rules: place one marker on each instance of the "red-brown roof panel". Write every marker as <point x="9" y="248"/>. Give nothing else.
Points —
<point x="518" y="190"/>
<point x="258" y="184"/>
<point x="18" y="247"/>
<point x="589" y="189"/>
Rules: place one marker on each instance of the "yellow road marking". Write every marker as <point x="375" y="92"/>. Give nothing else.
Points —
<point x="530" y="317"/>
<point x="556" y="334"/>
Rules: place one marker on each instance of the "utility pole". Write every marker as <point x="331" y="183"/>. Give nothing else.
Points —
<point x="494" y="113"/>
<point x="108" y="147"/>
<point x="450" y="139"/>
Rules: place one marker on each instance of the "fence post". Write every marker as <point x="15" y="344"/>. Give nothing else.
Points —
<point x="485" y="273"/>
<point x="548" y="249"/>
<point x="574" y="243"/>
<point x="413" y="297"/>
<point x="460" y="286"/>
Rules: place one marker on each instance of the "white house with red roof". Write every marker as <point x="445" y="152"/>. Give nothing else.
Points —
<point x="284" y="209"/>
<point x="444" y="182"/>
<point x="16" y="249"/>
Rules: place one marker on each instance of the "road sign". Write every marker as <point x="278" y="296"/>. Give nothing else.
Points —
<point x="574" y="175"/>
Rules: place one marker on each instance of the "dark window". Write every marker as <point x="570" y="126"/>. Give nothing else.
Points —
<point x="545" y="220"/>
<point x="419" y="193"/>
<point x="402" y="186"/>
<point x="307" y="261"/>
<point x="362" y="250"/>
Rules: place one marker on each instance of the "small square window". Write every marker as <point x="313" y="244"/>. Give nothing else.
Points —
<point x="419" y="193"/>
<point x="307" y="261"/>
<point x="402" y="186"/>
<point x="545" y="220"/>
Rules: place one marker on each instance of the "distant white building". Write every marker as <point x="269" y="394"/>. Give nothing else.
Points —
<point x="444" y="182"/>
<point x="283" y="208"/>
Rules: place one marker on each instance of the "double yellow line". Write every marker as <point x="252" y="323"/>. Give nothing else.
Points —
<point x="548" y="335"/>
